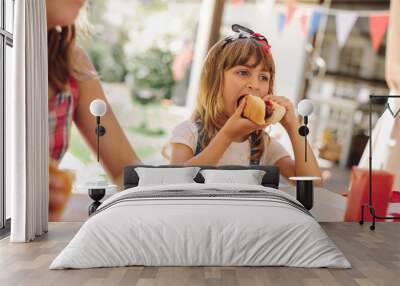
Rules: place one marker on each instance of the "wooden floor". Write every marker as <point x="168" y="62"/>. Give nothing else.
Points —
<point x="375" y="257"/>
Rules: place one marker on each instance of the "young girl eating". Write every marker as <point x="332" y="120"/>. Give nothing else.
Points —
<point x="219" y="132"/>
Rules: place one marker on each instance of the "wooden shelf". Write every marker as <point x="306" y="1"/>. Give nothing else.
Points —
<point x="351" y="77"/>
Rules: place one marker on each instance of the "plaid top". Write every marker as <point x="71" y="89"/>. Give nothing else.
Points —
<point x="62" y="107"/>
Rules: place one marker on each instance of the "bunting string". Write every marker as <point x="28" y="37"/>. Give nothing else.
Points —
<point x="310" y="16"/>
<point x="360" y="13"/>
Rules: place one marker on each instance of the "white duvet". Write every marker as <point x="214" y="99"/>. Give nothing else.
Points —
<point x="183" y="231"/>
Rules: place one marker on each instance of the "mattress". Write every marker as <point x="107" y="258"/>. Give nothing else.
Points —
<point x="201" y="225"/>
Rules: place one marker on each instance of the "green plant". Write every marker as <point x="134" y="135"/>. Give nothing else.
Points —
<point x="108" y="57"/>
<point x="152" y="70"/>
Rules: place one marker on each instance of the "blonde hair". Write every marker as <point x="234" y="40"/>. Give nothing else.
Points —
<point x="210" y="109"/>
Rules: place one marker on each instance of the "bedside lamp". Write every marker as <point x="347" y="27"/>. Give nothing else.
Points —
<point x="305" y="108"/>
<point x="97" y="189"/>
<point x="98" y="108"/>
<point x="304" y="185"/>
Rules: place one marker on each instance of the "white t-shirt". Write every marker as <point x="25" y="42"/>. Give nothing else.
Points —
<point x="236" y="154"/>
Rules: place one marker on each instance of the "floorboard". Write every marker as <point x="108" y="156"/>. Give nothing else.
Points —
<point x="374" y="255"/>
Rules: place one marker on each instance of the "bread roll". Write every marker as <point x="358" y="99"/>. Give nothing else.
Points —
<point x="254" y="109"/>
<point x="58" y="201"/>
<point x="257" y="111"/>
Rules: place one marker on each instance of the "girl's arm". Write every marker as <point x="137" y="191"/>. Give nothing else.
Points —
<point x="115" y="150"/>
<point x="183" y="155"/>
<point x="235" y="129"/>
<point x="298" y="166"/>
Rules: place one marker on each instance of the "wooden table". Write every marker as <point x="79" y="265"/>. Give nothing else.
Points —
<point x="328" y="206"/>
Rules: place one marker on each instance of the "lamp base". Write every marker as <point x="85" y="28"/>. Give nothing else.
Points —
<point x="96" y="195"/>
<point x="305" y="193"/>
<point x="305" y="190"/>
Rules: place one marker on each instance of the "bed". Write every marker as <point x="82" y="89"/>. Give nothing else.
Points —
<point x="201" y="224"/>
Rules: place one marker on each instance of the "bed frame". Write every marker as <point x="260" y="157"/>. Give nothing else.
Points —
<point x="270" y="179"/>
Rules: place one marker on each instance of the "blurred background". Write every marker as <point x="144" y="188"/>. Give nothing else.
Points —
<point x="148" y="54"/>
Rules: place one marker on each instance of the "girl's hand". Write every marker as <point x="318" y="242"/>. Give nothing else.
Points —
<point x="289" y="120"/>
<point x="238" y="128"/>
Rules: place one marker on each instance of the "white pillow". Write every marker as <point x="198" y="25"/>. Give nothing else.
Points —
<point x="165" y="176"/>
<point x="247" y="177"/>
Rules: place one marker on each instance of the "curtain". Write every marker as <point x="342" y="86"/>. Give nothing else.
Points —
<point x="27" y="124"/>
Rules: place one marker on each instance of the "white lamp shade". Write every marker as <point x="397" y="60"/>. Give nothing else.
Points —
<point x="305" y="107"/>
<point x="98" y="107"/>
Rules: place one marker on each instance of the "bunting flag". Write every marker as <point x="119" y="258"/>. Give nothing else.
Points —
<point x="290" y="9"/>
<point x="304" y="23"/>
<point x="377" y="27"/>
<point x="344" y="23"/>
<point x="314" y="22"/>
<point x="237" y="2"/>
<point x="281" y="21"/>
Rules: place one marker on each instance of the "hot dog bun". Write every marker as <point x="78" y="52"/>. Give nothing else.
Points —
<point x="277" y="114"/>
<point x="257" y="111"/>
<point x="254" y="109"/>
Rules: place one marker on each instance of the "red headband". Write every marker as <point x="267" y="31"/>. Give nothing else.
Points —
<point x="244" y="33"/>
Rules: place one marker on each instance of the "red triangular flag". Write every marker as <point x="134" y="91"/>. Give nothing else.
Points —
<point x="377" y="27"/>
<point x="304" y="23"/>
<point x="290" y="9"/>
<point x="237" y="2"/>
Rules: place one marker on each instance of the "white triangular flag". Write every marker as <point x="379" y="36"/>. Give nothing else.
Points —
<point x="344" y="23"/>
